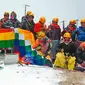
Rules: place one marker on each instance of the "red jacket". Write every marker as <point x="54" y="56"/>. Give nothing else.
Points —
<point x="38" y="27"/>
<point x="56" y="26"/>
<point x="53" y="26"/>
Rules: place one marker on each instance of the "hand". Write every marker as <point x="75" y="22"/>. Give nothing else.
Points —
<point x="49" y="52"/>
<point x="12" y="27"/>
<point x="83" y="64"/>
<point x="38" y="48"/>
<point x="66" y="62"/>
<point x="62" y="50"/>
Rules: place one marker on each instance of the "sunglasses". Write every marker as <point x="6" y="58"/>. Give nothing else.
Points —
<point x="66" y="39"/>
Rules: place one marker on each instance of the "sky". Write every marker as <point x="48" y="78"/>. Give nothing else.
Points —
<point x="63" y="9"/>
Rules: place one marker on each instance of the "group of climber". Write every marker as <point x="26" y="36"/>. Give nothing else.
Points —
<point x="11" y="21"/>
<point x="7" y="22"/>
<point x="64" y="49"/>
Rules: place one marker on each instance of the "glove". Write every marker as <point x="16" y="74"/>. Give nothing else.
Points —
<point x="49" y="52"/>
<point x="38" y="48"/>
<point x="83" y="64"/>
<point x="12" y="27"/>
<point x="66" y="62"/>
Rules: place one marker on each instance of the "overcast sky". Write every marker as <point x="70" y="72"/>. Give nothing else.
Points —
<point x="64" y="9"/>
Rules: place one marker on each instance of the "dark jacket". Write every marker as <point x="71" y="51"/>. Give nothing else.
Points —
<point x="15" y="23"/>
<point x="80" y="55"/>
<point x="5" y="24"/>
<point x="55" y="32"/>
<point x="25" y="24"/>
<point x="69" y="48"/>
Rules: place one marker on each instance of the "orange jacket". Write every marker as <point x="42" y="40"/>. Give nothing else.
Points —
<point x="35" y="44"/>
<point x="41" y="45"/>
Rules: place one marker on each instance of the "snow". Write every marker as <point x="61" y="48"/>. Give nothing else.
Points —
<point x="29" y="75"/>
<point x="83" y="81"/>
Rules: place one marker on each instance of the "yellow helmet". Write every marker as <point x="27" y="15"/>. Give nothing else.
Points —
<point x="41" y="34"/>
<point x="29" y="12"/>
<point x="82" y="20"/>
<point x="6" y="13"/>
<point x="67" y="35"/>
<point x="55" y="20"/>
<point x="42" y="20"/>
<point x="72" y="22"/>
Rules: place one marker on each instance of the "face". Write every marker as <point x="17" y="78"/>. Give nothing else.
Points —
<point x="54" y="22"/>
<point x="70" y="27"/>
<point x="66" y="39"/>
<point x="12" y="16"/>
<point x="6" y="17"/>
<point x="30" y="18"/>
<point x="83" y="24"/>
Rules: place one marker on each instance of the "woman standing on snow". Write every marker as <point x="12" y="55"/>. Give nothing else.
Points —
<point x="54" y="33"/>
<point x="13" y="19"/>
<point x="27" y="22"/>
<point x="66" y="57"/>
<point x="5" y="22"/>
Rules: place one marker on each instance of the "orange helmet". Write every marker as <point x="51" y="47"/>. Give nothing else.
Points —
<point x="82" y="20"/>
<point x="82" y="44"/>
<point x="67" y="35"/>
<point x="42" y="20"/>
<point x="6" y="13"/>
<point x="72" y="22"/>
<point x="29" y="12"/>
<point x="55" y="20"/>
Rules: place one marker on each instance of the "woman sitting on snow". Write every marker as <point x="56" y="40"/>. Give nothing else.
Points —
<point x="42" y="44"/>
<point x="65" y="58"/>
